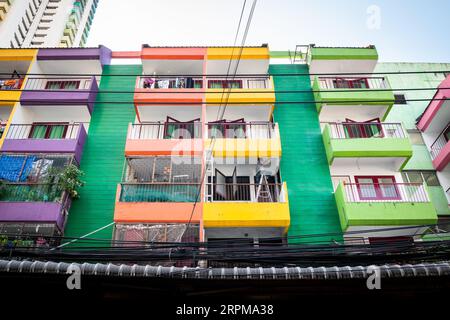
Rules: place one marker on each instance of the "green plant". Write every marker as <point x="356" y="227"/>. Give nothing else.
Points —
<point x="68" y="180"/>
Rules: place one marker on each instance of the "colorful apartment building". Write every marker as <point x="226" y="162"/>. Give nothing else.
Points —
<point x="46" y="120"/>
<point x="219" y="144"/>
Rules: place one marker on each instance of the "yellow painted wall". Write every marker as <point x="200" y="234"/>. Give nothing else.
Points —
<point x="247" y="53"/>
<point x="17" y="54"/>
<point x="246" y="147"/>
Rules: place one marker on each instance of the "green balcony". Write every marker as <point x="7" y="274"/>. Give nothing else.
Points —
<point x="368" y="92"/>
<point x="387" y="141"/>
<point x="340" y="53"/>
<point x="384" y="205"/>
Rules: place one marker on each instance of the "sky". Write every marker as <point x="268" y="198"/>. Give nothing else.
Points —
<point x="402" y="30"/>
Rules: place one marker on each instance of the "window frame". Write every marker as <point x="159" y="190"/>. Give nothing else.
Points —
<point x="376" y="184"/>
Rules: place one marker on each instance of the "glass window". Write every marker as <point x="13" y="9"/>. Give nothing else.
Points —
<point x="429" y="177"/>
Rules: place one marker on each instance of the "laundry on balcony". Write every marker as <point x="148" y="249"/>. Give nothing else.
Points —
<point x="8" y="84"/>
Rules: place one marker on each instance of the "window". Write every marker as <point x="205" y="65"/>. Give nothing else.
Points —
<point x="400" y="99"/>
<point x="48" y="131"/>
<point x="62" y="85"/>
<point x="222" y="84"/>
<point x="377" y="188"/>
<point x="416" y="137"/>
<point x="355" y="129"/>
<point x="342" y="83"/>
<point x="415" y="176"/>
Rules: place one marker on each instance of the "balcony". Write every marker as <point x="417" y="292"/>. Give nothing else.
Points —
<point x="362" y="206"/>
<point x="371" y="96"/>
<point x="33" y="202"/>
<point x="71" y="92"/>
<point x="168" y="89"/>
<point x="46" y="138"/>
<point x="256" y="89"/>
<point x="440" y="151"/>
<point x="167" y="138"/>
<point x="159" y="189"/>
<point x="247" y="205"/>
<point x="157" y="202"/>
<point x="388" y="142"/>
<point x="342" y="59"/>
<point x="244" y="139"/>
<point x="10" y="90"/>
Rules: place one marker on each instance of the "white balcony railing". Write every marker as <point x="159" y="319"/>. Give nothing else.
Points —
<point x="43" y="131"/>
<point x="333" y="83"/>
<point x="164" y="130"/>
<point x="361" y="130"/>
<point x="257" y="82"/>
<point x="438" y="145"/>
<point x="385" y="192"/>
<point x="79" y="83"/>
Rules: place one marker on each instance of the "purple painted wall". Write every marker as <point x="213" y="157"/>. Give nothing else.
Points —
<point x="61" y="97"/>
<point x="102" y="53"/>
<point x="50" y="212"/>
<point x="73" y="146"/>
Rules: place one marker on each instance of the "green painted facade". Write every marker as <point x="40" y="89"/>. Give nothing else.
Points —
<point x="363" y="148"/>
<point x="365" y="97"/>
<point x="304" y="165"/>
<point x="332" y="53"/>
<point x="409" y="113"/>
<point x="103" y="156"/>
<point x="354" y="214"/>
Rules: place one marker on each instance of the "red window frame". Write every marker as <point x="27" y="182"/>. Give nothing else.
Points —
<point x="182" y="125"/>
<point x="62" y="84"/>
<point x="378" y="189"/>
<point x="49" y="125"/>
<point x="362" y="128"/>
<point x="351" y="83"/>
<point x="225" y="83"/>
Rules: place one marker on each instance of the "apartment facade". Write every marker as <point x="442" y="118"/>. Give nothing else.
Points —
<point x="44" y="130"/>
<point x="45" y="23"/>
<point x="225" y="144"/>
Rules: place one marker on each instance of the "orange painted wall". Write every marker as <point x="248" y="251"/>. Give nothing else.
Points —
<point x="141" y="96"/>
<point x="173" y="147"/>
<point x="173" y="53"/>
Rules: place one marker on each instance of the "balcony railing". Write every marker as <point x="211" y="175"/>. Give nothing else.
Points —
<point x="51" y="84"/>
<point x="333" y="83"/>
<point x="148" y="82"/>
<point x="438" y="145"/>
<point x="242" y="130"/>
<point x="353" y="130"/>
<point x="30" y="192"/>
<point x="165" y="130"/>
<point x="247" y="192"/>
<point x="11" y="84"/>
<point x="385" y="192"/>
<point x="159" y="192"/>
<point x="43" y="131"/>
<point x="2" y="129"/>
<point x="258" y="82"/>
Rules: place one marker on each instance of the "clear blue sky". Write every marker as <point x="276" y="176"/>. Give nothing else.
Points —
<point x="409" y="30"/>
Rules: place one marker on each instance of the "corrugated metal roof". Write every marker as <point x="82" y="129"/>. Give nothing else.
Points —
<point x="286" y="273"/>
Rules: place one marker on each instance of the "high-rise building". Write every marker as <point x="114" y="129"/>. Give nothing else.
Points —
<point x="45" y="23"/>
<point x="224" y="144"/>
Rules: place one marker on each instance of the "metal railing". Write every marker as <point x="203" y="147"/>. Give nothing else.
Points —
<point x="30" y="192"/>
<point x="52" y="84"/>
<point x="149" y="82"/>
<point x="25" y="131"/>
<point x="438" y="145"/>
<point x="332" y="83"/>
<point x="165" y="130"/>
<point x="11" y="84"/>
<point x="2" y="129"/>
<point x="385" y="192"/>
<point x="255" y="82"/>
<point x="353" y="130"/>
<point x="242" y="130"/>
<point x="159" y="192"/>
<point x="247" y="192"/>
<point x="261" y="82"/>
